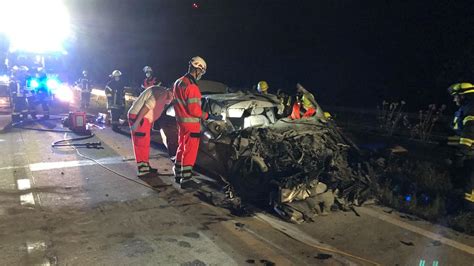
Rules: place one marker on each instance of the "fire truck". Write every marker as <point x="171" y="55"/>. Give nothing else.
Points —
<point x="32" y="76"/>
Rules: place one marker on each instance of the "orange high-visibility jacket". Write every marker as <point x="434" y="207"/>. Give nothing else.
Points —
<point x="187" y="97"/>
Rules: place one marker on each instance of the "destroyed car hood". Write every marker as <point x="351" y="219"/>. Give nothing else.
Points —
<point x="244" y="100"/>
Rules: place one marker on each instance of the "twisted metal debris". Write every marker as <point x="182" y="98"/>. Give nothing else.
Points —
<point x="296" y="155"/>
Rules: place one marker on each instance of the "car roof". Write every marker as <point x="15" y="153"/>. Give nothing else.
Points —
<point x="231" y="98"/>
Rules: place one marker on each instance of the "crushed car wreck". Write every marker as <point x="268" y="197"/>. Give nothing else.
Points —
<point x="298" y="167"/>
<point x="293" y="161"/>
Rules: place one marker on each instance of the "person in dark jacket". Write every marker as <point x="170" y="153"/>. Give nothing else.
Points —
<point x="463" y="140"/>
<point x="85" y="84"/>
<point x="115" y="92"/>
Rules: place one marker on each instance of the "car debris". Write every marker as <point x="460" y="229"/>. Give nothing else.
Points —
<point x="299" y="168"/>
<point x="293" y="161"/>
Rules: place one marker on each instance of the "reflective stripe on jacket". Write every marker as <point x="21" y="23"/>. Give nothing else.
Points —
<point x="84" y="84"/>
<point x="463" y="125"/>
<point x="115" y="92"/>
<point x="187" y="98"/>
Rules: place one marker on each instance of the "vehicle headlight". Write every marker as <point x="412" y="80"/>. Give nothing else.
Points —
<point x="4" y="78"/>
<point x="52" y="84"/>
<point x="34" y="83"/>
<point x="64" y="94"/>
<point x="98" y="92"/>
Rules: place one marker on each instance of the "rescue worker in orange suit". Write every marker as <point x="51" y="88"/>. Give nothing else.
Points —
<point x="149" y="80"/>
<point x="187" y="106"/>
<point x="115" y="92"/>
<point x="463" y="126"/>
<point x="305" y="105"/>
<point x="145" y="110"/>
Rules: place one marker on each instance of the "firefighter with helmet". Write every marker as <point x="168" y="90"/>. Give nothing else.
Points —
<point x="187" y="107"/>
<point x="262" y="87"/>
<point x="305" y="105"/>
<point x="115" y="92"/>
<point x="463" y="140"/>
<point x="85" y="84"/>
<point x="40" y="94"/>
<point x="17" y="92"/>
<point x="149" y="80"/>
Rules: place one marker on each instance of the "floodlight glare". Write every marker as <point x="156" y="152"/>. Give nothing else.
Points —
<point x="52" y="84"/>
<point x="38" y="26"/>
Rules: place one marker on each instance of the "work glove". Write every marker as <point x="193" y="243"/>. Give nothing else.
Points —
<point x="214" y="117"/>
<point x="135" y="126"/>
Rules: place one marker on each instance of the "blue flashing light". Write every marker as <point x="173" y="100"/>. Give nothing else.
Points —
<point x="52" y="84"/>
<point x="34" y="83"/>
<point x="407" y="198"/>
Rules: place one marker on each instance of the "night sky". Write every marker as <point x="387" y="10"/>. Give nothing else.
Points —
<point x="353" y="53"/>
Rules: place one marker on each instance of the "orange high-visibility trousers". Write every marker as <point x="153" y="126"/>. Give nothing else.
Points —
<point x="188" y="146"/>
<point x="141" y="139"/>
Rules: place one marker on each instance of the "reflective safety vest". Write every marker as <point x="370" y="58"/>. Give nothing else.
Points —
<point x="463" y="125"/>
<point x="187" y="101"/>
<point x="85" y="85"/>
<point x="115" y="92"/>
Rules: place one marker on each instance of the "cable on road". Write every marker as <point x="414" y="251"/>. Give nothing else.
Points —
<point x="60" y="143"/>
<point x="67" y="143"/>
<point x="113" y="171"/>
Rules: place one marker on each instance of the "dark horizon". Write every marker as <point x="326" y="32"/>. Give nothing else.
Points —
<point x="346" y="52"/>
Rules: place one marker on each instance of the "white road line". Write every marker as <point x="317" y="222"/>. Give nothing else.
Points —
<point x="417" y="230"/>
<point x="27" y="199"/>
<point x="35" y="246"/>
<point x="23" y="184"/>
<point x="34" y="167"/>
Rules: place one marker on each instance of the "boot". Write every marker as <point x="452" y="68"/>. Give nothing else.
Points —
<point x="144" y="170"/>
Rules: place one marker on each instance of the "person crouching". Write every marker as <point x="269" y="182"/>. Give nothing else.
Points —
<point x="145" y="110"/>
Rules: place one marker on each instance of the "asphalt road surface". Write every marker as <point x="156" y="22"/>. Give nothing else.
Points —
<point x="57" y="208"/>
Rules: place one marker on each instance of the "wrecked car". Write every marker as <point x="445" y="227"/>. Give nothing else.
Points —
<point x="298" y="167"/>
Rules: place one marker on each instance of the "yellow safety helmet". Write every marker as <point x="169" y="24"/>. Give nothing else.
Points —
<point x="461" y="88"/>
<point x="262" y="86"/>
<point x="327" y="115"/>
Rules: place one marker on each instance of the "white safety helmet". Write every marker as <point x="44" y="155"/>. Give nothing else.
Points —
<point x="84" y="72"/>
<point x="147" y="69"/>
<point x="198" y="62"/>
<point x="116" y="73"/>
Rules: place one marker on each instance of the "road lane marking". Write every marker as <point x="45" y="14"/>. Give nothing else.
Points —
<point x="418" y="230"/>
<point x="34" y="167"/>
<point x="67" y="164"/>
<point x="27" y="199"/>
<point x="23" y="184"/>
<point x="35" y="246"/>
